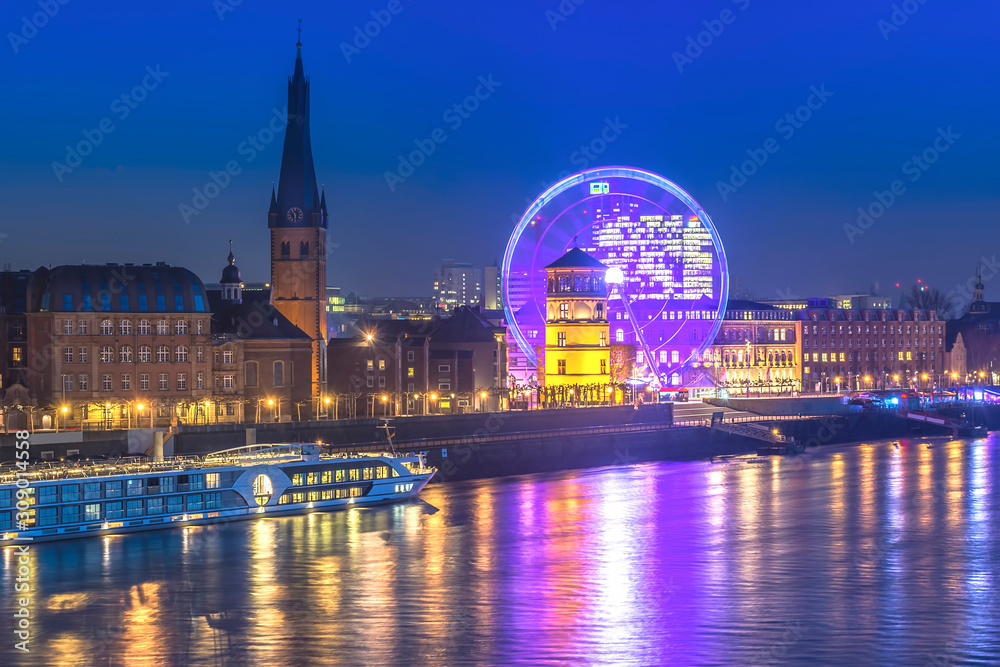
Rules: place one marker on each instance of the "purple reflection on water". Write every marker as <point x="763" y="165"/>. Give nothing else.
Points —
<point x="855" y="555"/>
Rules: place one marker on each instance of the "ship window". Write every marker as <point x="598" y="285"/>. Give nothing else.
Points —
<point x="262" y="489"/>
<point x="297" y="479"/>
<point x="326" y="477"/>
<point x="154" y="506"/>
<point x="328" y="494"/>
<point x="5" y="498"/>
<point x="283" y="499"/>
<point x="133" y="487"/>
<point x="313" y="495"/>
<point x="194" y="502"/>
<point x="47" y="494"/>
<point x="133" y="508"/>
<point x="355" y="491"/>
<point x="341" y="475"/>
<point x="71" y="514"/>
<point x="92" y="512"/>
<point x="341" y="493"/>
<point x="382" y="472"/>
<point x="312" y="478"/>
<point x="212" y="480"/>
<point x="354" y="474"/>
<point x="113" y="510"/>
<point x="167" y="484"/>
<point x="298" y="497"/>
<point x="196" y="482"/>
<point x="213" y="501"/>
<point x="92" y="491"/>
<point x="175" y="504"/>
<point x="48" y="516"/>
<point x="367" y="473"/>
<point x="71" y="493"/>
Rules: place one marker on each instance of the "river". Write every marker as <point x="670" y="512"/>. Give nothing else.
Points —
<point x="873" y="554"/>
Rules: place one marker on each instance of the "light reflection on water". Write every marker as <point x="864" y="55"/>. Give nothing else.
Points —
<point x="869" y="554"/>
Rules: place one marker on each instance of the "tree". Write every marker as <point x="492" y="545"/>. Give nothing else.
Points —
<point x="929" y="298"/>
<point x="622" y="362"/>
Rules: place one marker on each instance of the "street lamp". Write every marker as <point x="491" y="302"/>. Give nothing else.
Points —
<point x="385" y="404"/>
<point x="837" y="380"/>
<point x="64" y="410"/>
<point x="274" y="412"/>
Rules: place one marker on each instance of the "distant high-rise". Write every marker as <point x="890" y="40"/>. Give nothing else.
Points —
<point x="492" y="296"/>
<point x="456" y="284"/>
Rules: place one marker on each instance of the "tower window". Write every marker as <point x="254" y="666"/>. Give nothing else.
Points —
<point x="563" y="311"/>
<point x="304" y="248"/>
<point x="561" y="339"/>
<point x="286" y="249"/>
<point x="561" y="367"/>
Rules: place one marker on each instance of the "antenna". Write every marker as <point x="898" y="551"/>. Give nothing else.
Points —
<point x="299" y="43"/>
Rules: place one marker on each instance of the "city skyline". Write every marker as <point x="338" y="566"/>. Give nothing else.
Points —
<point x="723" y="109"/>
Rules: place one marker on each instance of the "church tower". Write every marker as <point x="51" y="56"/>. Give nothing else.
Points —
<point x="298" y="222"/>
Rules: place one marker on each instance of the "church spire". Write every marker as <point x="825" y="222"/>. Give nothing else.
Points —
<point x="297" y="201"/>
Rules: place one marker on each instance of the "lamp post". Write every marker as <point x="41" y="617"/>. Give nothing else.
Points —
<point x="385" y="404"/>
<point x="274" y="412"/>
<point x="326" y="406"/>
<point x="64" y="410"/>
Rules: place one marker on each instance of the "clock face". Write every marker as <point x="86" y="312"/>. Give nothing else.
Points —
<point x="294" y="214"/>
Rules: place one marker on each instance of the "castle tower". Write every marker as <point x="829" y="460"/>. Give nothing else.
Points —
<point x="298" y="222"/>
<point x="577" y="350"/>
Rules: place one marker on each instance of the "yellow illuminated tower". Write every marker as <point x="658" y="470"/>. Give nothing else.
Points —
<point x="298" y="222"/>
<point x="577" y="351"/>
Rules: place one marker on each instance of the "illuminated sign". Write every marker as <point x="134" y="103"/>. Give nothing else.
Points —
<point x="599" y="188"/>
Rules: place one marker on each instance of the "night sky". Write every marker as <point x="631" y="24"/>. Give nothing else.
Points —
<point x="562" y="77"/>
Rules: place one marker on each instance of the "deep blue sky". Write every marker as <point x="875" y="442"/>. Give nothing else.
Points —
<point x="783" y="229"/>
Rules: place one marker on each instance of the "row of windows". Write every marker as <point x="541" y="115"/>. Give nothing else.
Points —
<point x="747" y="334"/>
<point x="108" y="511"/>
<point x="107" y="354"/>
<point x="326" y="494"/>
<point x="561" y="366"/>
<point x="124" y="304"/>
<point x="347" y="475"/>
<point x="873" y="342"/>
<point x="70" y="493"/>
<point x="891" y="356"/>
<point x="143" y="328"/>
<point x="892" y="329"/>
<point x="81" y="382"/>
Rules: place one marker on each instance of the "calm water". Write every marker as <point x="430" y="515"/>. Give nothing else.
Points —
<point x="858" y="555"/>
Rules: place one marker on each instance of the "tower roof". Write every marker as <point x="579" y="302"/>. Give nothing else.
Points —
<point x="297" y="180"/>
<point x="231" y="274"/>
<point x="576" y="259"/>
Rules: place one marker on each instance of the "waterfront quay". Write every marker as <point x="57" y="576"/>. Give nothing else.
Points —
<point x="492" y="444"/>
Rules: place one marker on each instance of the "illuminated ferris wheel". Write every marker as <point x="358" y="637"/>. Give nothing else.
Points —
<point x="668" y="278"/>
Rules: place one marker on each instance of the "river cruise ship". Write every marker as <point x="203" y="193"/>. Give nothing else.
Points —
<point x="66" y="500"/>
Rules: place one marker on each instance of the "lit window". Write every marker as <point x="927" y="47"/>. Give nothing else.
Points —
<point x="561" y="336"/>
